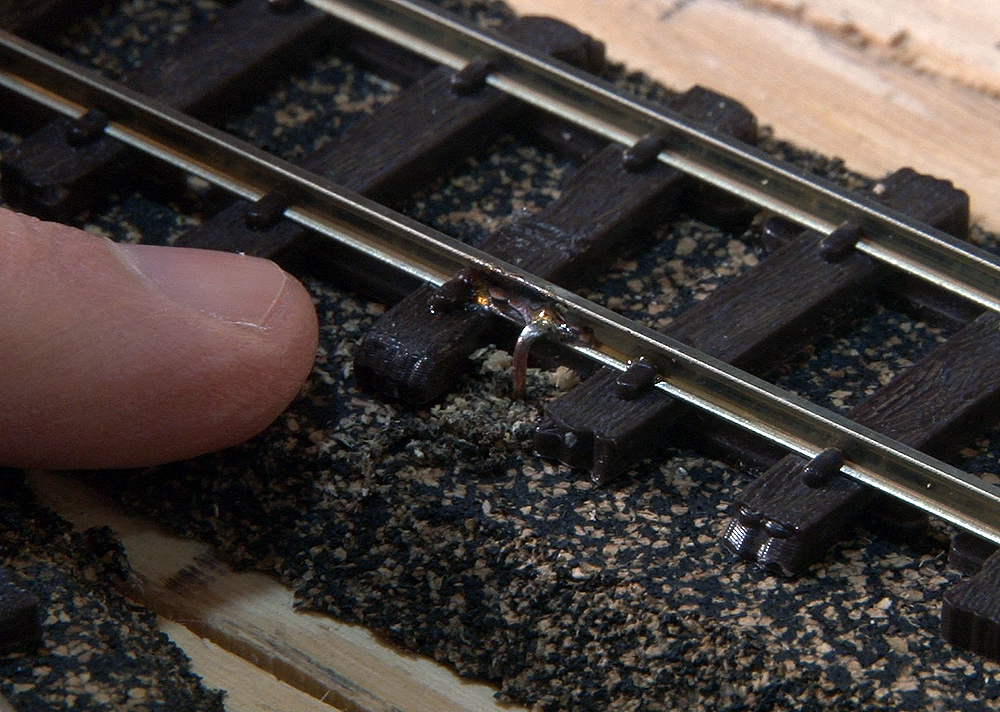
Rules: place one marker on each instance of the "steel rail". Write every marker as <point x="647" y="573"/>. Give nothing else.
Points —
<point x="738" y="168"/>
<point x="347" y="218"/>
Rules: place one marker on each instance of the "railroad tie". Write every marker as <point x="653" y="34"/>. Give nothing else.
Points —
<point x="436" y="121"/>
<point x="63" y="168"/>
<point x="948" y="397"/>
<point x="970" y="615"/>
<point x="418" y="349"/>
<point x="752" y="322"/>
<point x="783" y="522"/>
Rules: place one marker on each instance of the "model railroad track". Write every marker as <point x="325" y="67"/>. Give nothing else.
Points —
<point x="639" y="164"/>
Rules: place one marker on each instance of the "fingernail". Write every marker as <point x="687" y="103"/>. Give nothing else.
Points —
<point x="227" y="286"/>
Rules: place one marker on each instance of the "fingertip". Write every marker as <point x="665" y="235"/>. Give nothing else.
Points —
<point x="133" y="356"/>
<point x="283" y="358"/>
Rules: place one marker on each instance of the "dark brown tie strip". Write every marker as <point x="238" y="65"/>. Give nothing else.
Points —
<point x="751" y="322"/>
<point x="929" y="406"/>
<point x="970" y="616"/>
<point x="424" y="129"/>
<point x="433" y="123"/>
<point x="946" y="398"/>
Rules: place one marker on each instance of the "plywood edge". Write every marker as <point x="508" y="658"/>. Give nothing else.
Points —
<point x="251" y="615"/>
<point x="248" y="688"/>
